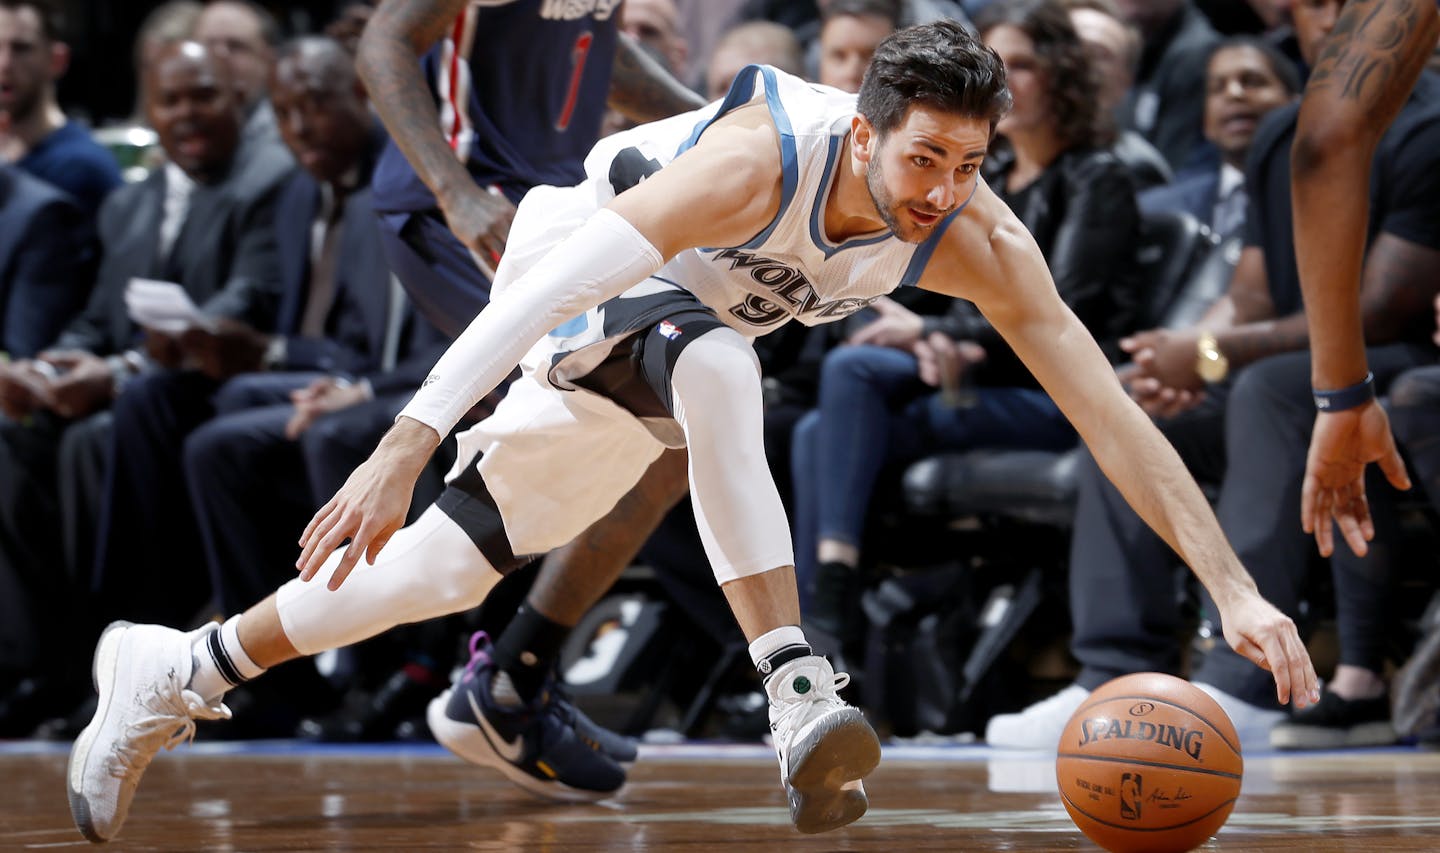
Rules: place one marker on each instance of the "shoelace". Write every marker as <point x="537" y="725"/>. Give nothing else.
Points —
<point x="791" y="712"/>
<point x="173" y="712"/>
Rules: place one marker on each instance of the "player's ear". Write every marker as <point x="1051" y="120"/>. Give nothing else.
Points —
<point x="863" y="138"/>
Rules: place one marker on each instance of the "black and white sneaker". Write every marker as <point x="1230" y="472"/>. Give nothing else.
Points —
<point x="825" y="745"/>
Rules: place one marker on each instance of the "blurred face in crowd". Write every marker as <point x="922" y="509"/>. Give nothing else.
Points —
<point x="193" y="109"/>
<point x="1027" y="78"/>
<point x="656" y="24"/>
<point x="846" y="44"/>
<point x="320" y="109"/>
<point x="1240" y="88"/>
<point x="1113" y="47"/>
<point x="29" y="62"/>
<point x="234" y="34"/>
<point x="1149" y="15"/>
<point x="1314" y="19"/>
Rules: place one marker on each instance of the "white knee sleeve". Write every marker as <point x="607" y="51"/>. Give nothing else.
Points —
<point x="428" y="569"/>
<point x="717" y="400"/>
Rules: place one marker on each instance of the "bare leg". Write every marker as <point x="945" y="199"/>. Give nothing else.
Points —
<point x="764" y="602"/>
<point x="574" y="577"/>
<point x="262" y="637"/>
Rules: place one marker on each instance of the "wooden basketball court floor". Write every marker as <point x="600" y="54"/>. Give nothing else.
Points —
<point x="284" y="796"/>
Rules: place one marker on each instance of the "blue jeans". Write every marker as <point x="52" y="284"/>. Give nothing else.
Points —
<point x="875" y="412"/>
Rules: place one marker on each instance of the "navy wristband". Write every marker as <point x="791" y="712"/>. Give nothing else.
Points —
<point x="1351" y="397"/>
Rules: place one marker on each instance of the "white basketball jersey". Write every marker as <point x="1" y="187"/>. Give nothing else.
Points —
<point x="790" y="269"/>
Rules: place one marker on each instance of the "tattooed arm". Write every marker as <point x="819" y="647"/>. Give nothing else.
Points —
<point x="1365" y="72"/>
<point x="399" y="32"/>
<point x="642" y="89"/>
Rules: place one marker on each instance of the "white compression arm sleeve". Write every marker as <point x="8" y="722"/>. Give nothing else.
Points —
<point x="602" y="259"/>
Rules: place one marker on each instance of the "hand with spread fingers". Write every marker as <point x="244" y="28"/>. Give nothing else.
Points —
<point x="372" y="504"/>
<point x="1260" y="633"/>
<point x="1333" y="492"/>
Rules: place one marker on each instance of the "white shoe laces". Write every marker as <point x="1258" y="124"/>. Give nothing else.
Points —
<point x="790" y="712"/>
<point x="171" y="721"/>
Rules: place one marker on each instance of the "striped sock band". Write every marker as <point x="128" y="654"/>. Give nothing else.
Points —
<point x="229" y="657"/>
<point x="774" y="649"/>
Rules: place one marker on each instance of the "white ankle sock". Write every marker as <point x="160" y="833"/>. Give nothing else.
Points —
<point x="775" y="648"/>
<point x="220" y="661"/>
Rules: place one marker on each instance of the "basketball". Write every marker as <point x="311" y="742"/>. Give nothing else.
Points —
<point x="1149" y="764"/>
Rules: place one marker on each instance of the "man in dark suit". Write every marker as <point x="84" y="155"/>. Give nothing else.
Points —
<point x="46" y="251"/>
<point x="335" y="315"/>
<point x="349" y="353"/>
<point x="204" y="220"/>
<point x="1245" y="78"/>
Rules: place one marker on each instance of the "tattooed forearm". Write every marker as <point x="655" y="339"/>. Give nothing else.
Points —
<point x="642" y="89"/>
<point x="398" y="34"/>
<point x="1374" y="44"/>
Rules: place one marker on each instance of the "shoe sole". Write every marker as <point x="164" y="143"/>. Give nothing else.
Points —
<point x="825" y="790"/>
<point x="1317" y="737"/>
<point x="102" y="674"/>
<point x="469" y="743"/>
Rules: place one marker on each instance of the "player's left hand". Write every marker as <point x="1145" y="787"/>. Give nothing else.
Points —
<point x="1261" y="634"/>
<point x="1341" y="445"/>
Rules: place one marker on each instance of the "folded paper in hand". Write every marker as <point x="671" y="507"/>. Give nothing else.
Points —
<point x="163" y="306"/>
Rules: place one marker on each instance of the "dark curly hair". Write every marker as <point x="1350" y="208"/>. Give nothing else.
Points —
<point x="940" y="65"/>
<point x="1072" y="76"/>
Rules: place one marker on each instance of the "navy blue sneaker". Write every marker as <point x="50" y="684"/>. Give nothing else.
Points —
<point x="619" y="747"/>
<point x="536" y="746"/>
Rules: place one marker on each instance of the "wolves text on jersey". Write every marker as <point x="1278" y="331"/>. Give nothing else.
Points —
<point x="570" y="10"/>
<point x="790" y="288"/>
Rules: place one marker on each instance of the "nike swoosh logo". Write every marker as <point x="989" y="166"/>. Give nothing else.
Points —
<point x="510" y="750"/>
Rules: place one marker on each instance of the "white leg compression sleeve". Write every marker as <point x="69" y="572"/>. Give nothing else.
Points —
<point x="603" y="258"/>
<point x="428" y="569"/>
<point x="717" y="400"/>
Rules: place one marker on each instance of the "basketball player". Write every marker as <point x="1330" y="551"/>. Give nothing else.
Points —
<point x="1374" y="55"/>
<point x="628" y="300"/>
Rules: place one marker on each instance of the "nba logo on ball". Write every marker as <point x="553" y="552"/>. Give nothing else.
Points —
<point x="1149" y="764"/>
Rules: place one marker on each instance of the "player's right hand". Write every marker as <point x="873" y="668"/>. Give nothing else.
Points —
<point x="372" y="504"/>
<point x="1261" y="634"/>
<point x="480" y="219"/>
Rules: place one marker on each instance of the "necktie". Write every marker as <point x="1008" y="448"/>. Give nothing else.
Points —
<point x="323" y="257"/>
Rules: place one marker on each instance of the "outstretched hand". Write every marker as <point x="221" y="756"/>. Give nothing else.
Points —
<point x="1341" y="445"/>
<point x="1261" y="634"/>
<point x="372" y="504"/>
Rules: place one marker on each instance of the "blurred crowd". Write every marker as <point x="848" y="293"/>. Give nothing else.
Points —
<point x="161" y="448"/>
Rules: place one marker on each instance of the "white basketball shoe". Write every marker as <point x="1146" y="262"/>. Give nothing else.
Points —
<point x="140" y="673"/>
<point x="1038" y="726"/>
<point x="825" y="745"/>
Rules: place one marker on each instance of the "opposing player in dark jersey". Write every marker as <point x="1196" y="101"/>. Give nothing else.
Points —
<point x="516" y="94"/>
